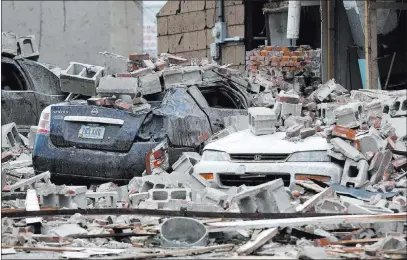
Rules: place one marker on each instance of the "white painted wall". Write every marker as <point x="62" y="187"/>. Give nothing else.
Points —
<point x="76" y="30"/>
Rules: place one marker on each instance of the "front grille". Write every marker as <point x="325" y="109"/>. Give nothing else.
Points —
<point x="259" y="157"/>
<point x="252" y="179"/>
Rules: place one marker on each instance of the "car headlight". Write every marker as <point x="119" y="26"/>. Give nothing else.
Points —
<point x="312" y="156"/>
<point x="211" y="155"/>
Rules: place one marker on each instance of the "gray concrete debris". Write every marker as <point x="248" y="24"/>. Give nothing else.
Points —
<point x="27" y="48"/>
<point x="113" y="63"/>
<point x="176" y="232"/>
<point x="214" y="196"/>
<point x="355" y="173"/>
<point x="262" y="120"/>
<point x="330" y="205"/>
<point x="109" y="86"/>
<point x="380" y="164"/>
<point x="8" y="44"/>
<point x="172" y="77"/>
<point x="327" y="112"/>
<point x="111" y="197"/>
<point x="264" y="99"/>
<point x="184" y="175"/>
<point x="150" y="84"/>
<point x="346" y="149"/>
<point x="269" y="197"/>
<point x="337" y="156"/>
<point x="81" y="78"/>
<point x="307" y="132"/>
<point x="325" y="89"/>
<point x="191" y="75"/>
<point x="29" y="182"/>
<point x="10" y="136"/>
<point x="350" y="115"/>
<point x="66" y="230"/>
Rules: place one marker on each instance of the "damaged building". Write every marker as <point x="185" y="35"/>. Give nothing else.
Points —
<point x="254" y="134"/>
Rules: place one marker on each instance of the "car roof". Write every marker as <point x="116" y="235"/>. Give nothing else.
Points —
<point x="246" y="142"/>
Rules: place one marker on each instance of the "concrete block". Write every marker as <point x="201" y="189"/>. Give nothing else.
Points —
<point x="150" y="84"/>
<point x="350" y="115"/>
<point x="399" y="107"/>
<point x="325" y="89"/>
<point x="288" y="109"/>
<point x="374" y="109"/>
<point x="345" y="148"/>
<point x="355" y="173"/>
<point x="336" y="155"/>
<point x="10" y="136"/>
<point x="314" y="200"/>
<point x="327" y="112"/>
<point x="72" y="197"/>
<point x="155" y="181"/>
<point x="32" y="135"/>
<point x="343" y="132"/>
<point x="29" y="182"/>
<point x="270" y="197"/>
<point x="111" y="197"/>
<point x="113" y="63"/>
<point x="372" y="142"/>
<point x="380" y="164"/>
<point x="164" y="195"/>
<point x="307" y="132"/>
<point x="262" y="120"/>
<point x="81" y="78"/>
<point x="136" y="198"/>
<point x="172" y="77"/>
<point x="8" y="44"/>
<point x="109" y="86"/>
<point x="50" y="200"/>
<point x="329" y="205"/>
<point x="290" y="98"/>
<point x="214" y="196"/>
<point x="294" y="130"/>
<point x="27" y="48"/>
<point x="191" y="75"/>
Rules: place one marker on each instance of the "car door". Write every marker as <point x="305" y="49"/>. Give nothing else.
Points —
<point x="219" y="102"/>
<point x="19" y="103"/>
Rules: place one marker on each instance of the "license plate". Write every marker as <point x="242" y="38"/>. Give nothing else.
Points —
<point x="92" y="132"/>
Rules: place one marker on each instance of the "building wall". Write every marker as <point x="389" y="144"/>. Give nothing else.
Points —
<point x="184" y="28"/>
<point x="76" y="30"/>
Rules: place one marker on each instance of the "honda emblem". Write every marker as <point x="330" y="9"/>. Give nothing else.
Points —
<point x="257" y="157"/>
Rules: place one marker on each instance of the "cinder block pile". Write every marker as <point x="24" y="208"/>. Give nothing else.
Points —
<point x="279" y="64"/>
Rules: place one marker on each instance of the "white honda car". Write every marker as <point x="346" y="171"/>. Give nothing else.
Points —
<point x="244" y="158"/>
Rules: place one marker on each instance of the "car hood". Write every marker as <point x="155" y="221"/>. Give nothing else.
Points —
<point x="246" y="142"/>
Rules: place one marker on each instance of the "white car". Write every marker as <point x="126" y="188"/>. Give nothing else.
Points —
<point x="244" y="158"/>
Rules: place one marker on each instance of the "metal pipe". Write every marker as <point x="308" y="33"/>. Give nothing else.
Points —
<point x="388" y="75"/>
<point x="221" y="17"/>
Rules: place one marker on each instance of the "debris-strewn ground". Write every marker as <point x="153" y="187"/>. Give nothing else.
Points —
<point x="362" y="215"/>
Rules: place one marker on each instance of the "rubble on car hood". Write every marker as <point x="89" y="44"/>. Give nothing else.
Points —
<point x="366" y="210"/>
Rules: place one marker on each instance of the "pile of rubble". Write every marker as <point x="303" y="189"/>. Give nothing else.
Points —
<point x="363" y="215"/>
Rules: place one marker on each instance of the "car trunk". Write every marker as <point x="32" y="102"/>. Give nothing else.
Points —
<point x="94" y="127"/>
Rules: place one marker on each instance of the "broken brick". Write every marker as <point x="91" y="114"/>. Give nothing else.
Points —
<point x="119" y="104"/>
<point x="400" y="162"/>
<point x="6" y="156"/>
<point x="139" y="57"/>
<point x="343" y="132"/>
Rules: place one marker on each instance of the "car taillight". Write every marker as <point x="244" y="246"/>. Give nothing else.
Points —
<point x="44" y="123"/>
<point x="157" y="158"/>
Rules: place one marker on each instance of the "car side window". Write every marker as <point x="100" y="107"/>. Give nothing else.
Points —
<point x="44" y="80"/>
<point x="12" y="78"/>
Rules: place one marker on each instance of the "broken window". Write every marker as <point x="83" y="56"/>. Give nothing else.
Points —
<point x="11" y="78"/>
<point x="219" y="98"/>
